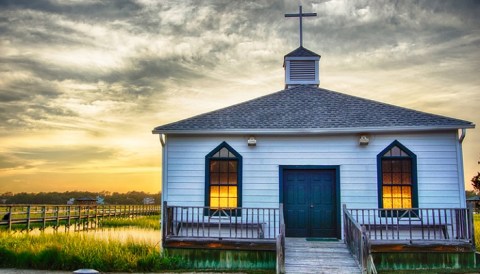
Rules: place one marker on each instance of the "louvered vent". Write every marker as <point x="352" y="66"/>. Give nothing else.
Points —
<point x="302" y="70"/>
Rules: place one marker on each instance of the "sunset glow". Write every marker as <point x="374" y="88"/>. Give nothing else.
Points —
<point x="83" y="83"/>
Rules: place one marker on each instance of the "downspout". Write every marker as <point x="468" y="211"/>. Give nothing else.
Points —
<point x="163" y="142"/>
<point x="461" y="179"/>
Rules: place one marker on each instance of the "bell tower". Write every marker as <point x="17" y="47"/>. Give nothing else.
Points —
<point x="301" y="65"/>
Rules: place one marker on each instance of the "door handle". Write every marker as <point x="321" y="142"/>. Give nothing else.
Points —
<point x="311" y="206"/>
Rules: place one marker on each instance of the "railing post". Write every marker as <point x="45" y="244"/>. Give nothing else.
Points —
<point x="69" y="216"/>
<point x="44" y="209"/>
<point x="280" y="243"/>
<point x="57" y="224"/>
<point x="10" y="218"/>
<point x="164" y="227"/>
<point x="471" y="227"/>
<point x="28" y="217"/>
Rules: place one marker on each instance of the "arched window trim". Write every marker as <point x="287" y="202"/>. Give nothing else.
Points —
<point x="209" y="157"/>
<point x="413" y="158"/>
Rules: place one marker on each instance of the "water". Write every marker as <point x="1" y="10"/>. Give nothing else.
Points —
<point x="122" y="234"/>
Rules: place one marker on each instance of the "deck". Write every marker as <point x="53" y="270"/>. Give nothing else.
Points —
<point x="302" y="256"/>
<point x="383" y="239"/>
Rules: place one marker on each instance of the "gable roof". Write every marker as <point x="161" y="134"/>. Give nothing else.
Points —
<point x="302" y="52"/>
<point x="308" y="109"/>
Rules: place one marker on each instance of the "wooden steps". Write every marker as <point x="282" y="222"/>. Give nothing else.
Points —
<point x="302" y="256"/>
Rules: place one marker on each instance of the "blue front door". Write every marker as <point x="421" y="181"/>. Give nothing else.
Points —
<point x="310" y="204"/>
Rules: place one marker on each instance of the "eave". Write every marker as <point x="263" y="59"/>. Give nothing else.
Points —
<point x="308" y="131"/>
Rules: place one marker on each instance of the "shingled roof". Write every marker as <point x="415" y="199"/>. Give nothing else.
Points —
<point x="302" y="52"/>
<point x="307" y="109"/>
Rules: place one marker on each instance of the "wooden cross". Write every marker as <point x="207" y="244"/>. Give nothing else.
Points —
<point x="300" y="15"/>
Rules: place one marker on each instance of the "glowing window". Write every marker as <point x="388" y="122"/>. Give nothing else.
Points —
<point x="223" y="178"/>
<point x="397" y="177"/>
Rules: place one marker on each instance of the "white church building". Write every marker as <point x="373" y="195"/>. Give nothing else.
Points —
<point x="298" y="156"/>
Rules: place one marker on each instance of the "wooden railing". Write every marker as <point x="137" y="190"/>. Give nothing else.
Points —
<point x="280" y="244"/>
<point x="358" y="242"/>
<point x="228" y="223"/>
<point x="362" y="227"/>
<point x="416" y="224"/>
<point x="67" y="215"/>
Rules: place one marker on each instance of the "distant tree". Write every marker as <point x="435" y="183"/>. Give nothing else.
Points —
<point x="470" y="193"/>
<point x="476" y="182"/>
<point x="61" y="198"/>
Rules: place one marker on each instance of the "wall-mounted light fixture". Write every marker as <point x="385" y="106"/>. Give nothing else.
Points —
<point x="363" y="140"/>
<point x="251" y="141"/>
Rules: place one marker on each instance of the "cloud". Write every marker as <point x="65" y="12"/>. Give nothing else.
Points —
<point x="109" y="71"/>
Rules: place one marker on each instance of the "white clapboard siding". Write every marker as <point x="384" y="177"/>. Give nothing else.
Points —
<point x="439" y="178"/>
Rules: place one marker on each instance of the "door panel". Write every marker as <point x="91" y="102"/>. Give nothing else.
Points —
<point x="310" y="203"/>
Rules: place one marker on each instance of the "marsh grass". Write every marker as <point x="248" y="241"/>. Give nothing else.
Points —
<point x="61" y="251"/>
<point x="476" y="227"/>
<point x="148" y="222"/>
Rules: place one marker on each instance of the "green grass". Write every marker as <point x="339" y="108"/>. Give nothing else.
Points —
<point x="61" y="251"/>
<point x="476" y="225"/>
<point x="148" y="222"/>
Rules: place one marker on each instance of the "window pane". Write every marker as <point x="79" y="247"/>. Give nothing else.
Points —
<point x="232" y="178"/>
<point x="397" y="203"/>
<point x="223" y="166"/>
<point x="387" y="202"/>
<point x="214" y="202"/>
<point x="223" y="178"/>
<point x="223" y="202"/>
<point x="232" y="192"/>
<point x="387" y="178"/>
<point x="407" y="203"/>
<point x="214" y="178"/>
<point x="214" y="191"/>
<point x="406" y="192"/>
<point x="395" y="151"/>
<point x="406" y="165"/>
<point x="223" y="152"/>
<point x="386" y="166"/>
<point x="406" y="179"/>
<point x="232" y="202"/>
<point x="396" y="178"/>
<point x="387" y="191"/>
<point x="232" y="166"/>
<point x="396" y="166"/>
<point x="214" y="166"/>
<point x="396" y="192"/>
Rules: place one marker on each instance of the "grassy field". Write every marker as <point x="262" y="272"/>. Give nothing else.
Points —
<point x="62" y="251"/>
<point x="149" y="222"/>
<point x="70" y="251"/>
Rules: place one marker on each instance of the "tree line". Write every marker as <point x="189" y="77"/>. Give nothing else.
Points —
<point x="60" y="198"/>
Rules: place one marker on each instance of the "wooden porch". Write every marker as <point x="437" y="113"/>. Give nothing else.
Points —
<point x="417" y="238"/>
<point x="220" y="228"/>
<point x="442" y="233"/>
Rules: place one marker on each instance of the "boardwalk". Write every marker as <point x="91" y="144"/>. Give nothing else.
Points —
<point x="302" y="256"/>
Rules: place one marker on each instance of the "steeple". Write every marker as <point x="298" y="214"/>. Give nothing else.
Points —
<point x="301" y="65"/>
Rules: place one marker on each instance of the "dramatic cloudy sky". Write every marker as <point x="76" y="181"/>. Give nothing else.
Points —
<point x="83" y="82"/>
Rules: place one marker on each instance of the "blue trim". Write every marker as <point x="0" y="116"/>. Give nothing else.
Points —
<point x="413" y="157"/>
<point x="282" y="168"/>
<point x="208" y="157"/>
